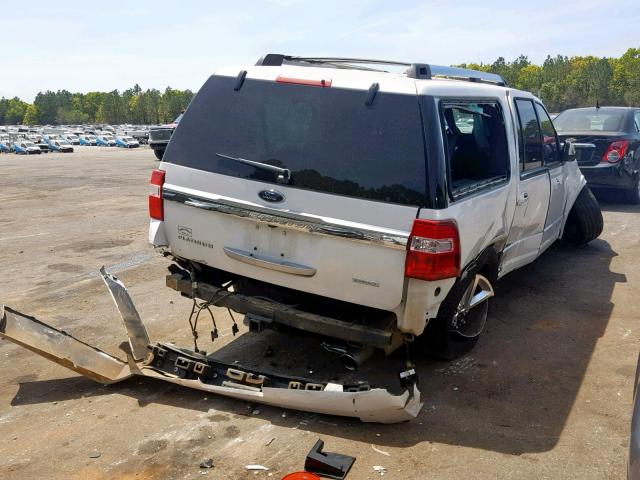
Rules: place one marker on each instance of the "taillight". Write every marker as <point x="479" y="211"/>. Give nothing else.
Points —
<point x="433" y="251"/>
<point x="616" y="151"/>
<point x="156" y="210"/>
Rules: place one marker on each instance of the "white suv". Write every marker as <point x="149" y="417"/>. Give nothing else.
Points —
<point x="371" y="207"/>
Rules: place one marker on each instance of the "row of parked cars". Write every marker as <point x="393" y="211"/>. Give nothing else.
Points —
<point x="108" y="140"/>
<point x="33" y="143"/>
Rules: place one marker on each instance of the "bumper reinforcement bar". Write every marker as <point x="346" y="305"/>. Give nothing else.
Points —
<point x="281" y="313"/>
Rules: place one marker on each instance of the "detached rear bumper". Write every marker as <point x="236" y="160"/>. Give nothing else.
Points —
<point x="191" y="369"/>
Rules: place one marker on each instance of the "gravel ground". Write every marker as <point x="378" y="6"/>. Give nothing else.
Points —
<point x="546" y="394"/>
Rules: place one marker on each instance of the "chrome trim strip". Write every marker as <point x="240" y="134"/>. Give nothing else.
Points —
<point x="289" y="220"/>
<point x="270" y="263"/>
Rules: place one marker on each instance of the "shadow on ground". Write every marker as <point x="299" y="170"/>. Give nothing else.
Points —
<point x="611" y="201"/>
<point x="512" y="394"/>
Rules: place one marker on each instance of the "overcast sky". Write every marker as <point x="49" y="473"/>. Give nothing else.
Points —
<point x="86" y="46"/>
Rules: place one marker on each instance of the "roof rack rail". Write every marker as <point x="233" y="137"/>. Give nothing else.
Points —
<point x="456" y="73"/>
<point x="421" y="71"/>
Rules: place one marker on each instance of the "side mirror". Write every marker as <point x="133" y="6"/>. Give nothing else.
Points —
<point x="568" y="150"/>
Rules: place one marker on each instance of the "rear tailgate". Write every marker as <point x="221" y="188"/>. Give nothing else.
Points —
<point x="338" y="226"/>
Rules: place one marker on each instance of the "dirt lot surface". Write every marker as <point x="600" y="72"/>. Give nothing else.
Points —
<point x="546" y="394"/>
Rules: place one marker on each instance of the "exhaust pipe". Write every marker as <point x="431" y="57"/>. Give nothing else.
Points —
<point x="353" y="359"/>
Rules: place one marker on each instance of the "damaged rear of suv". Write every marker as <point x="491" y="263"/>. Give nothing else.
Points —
<point x="369" y="207"/>
<point x="301" y="193"/>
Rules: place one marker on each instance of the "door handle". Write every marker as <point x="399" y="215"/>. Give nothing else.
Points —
<point x="523" y="197"/>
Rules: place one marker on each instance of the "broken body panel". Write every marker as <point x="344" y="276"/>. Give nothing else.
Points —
<point x="194" y="370"/>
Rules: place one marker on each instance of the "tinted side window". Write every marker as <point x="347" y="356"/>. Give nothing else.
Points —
<point x="476" y="145"/>
<point x="550" y="143"/>
<point x="530" y="136"/>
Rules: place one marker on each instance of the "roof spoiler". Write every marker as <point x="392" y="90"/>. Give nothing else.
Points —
<point x="423" y="71"/>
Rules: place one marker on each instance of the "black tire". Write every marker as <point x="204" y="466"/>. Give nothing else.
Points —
<point x="585" y="219"/>
<point x="159" y="153"/>
<point x="438" y="340"/>
<point x="633" y="196"/>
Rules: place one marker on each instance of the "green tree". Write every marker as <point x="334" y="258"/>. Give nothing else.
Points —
<point x="4" y="105"/>
<point x="31" y="115"/>
<point x="16" y="109"/>
<point x="67" y="116"/>
<point x="625" y="84"/>
<point x="530" y="79"/>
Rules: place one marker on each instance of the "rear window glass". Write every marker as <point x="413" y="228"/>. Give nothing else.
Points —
<point x="589" y="120"/>
<point x="328" y="139"/>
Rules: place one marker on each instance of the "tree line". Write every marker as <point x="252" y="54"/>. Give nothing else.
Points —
<point x="561" y="82"/>
<point x="133" y="105"/>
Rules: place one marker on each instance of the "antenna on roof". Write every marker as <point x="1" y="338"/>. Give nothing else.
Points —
<point x="597" y="103"/>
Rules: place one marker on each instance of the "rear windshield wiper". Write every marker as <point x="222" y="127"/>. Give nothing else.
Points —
<point x="283" y="174"/>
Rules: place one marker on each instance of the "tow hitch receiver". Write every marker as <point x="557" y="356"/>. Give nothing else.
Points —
<point x="195" y="370"/>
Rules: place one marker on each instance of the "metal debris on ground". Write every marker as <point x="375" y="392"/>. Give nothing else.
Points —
<point x="95" y="454"/>
<point x="270" y="441"/>
<point x="327" y="464"/>
<point x="256" y="467"/>
<point x="208" y="463"/>
<point x="380" y="469"/>
<point x="380" y="451"/>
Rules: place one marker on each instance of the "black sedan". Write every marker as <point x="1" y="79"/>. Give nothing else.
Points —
<point x="615" y="132"/>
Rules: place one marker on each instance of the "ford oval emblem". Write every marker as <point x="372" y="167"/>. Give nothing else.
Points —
<point x="271" y="196"/>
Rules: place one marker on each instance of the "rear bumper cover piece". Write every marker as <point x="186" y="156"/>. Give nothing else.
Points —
<point x="194" y="370"/>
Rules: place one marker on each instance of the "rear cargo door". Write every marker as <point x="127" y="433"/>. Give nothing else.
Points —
<point x="302" y="177"/>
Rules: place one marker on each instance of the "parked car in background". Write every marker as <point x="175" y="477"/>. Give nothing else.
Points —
<point x="105" y="141"/>
<point x="87" y="140"/>
<point x="615" y="162"/>
<point x="139" y="134"/>
<point x="26" y="148"/>
<point x="41" y="144"/>
<point x="71" y="138"/>
<point x="50" y="137"/>
<point x="126" y="142"/>
<point x="159" y="137"/>
<point x="5" y="147"/>
<point x="61" y="146"/>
